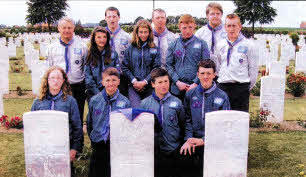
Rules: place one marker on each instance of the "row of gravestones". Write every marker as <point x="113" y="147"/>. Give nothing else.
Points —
<point x="46" y="144"/>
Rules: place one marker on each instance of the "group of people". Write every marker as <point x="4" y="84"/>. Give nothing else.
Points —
<point x="178" y="77"/>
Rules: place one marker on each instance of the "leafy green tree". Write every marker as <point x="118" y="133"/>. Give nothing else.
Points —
<point x="255" y="11"/>
<point x="45" y="11"/>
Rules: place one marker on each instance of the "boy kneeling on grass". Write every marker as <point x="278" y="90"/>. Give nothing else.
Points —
<point x="204" y="98"/>
<point x="171" y="116"/>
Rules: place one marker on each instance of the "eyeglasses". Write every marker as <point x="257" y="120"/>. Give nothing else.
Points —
<point x="55" y="78"/>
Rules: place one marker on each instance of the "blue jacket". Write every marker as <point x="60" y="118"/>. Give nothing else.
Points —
<point x="93" y="74"/>
<point x="172" y="118"/>
<point x="138" y="63"/>
<point x="70" y="106"/>
<point x="196" y="106"/>
<point x="182" y="60"/>
<point x="99" y="109"/>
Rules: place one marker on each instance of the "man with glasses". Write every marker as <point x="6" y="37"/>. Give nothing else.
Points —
<point x="119" y="42"/>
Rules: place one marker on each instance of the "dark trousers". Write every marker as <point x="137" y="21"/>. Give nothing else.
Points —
<point x="168" y="164"/>
<point x="192" y="165"/>
<point x="72" y="168"/>
<point x="100" y="160"/>
<point x="124" y="85"/>
<point x="239" y="95"/>
<point x="78" y="92"/>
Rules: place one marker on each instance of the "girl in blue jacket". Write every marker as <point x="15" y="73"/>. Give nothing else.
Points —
<point x="55" y="94"/>
<point x="100" y="57"/>
<point x="140" y="58"/>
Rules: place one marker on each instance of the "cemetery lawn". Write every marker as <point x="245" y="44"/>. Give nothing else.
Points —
<point x="24" y="81"/>
<point x="271" y="154"/>
<point x="294" y="108"/>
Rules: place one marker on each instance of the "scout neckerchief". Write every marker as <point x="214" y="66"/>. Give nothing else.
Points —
<point x="108" y="108"/>
<point x="161" y="106"/>
<point x="142" y="59"/>
<point x="67" y="60"/>
<point x="185" y="44"/>
<point x="102" y="60"/>
<point x="113" y="34"/>
<point x="159" y="36"/>
<point x="230" y="47"/>
<point x="53" y="98"/>
<point x="205" y="91"/>
<point x="213" y="31"/>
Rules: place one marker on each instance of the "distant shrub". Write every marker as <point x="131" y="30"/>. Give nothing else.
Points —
<point x="2" y="33"/>
<point x="285" y="32"/>
<point x="127" y="28"/>
<point x="256" y="89"/>
<point x="173" y="28"/>
<point x="295" y="38"/>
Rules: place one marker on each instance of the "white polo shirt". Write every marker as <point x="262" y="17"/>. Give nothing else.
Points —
<point x="77" y="53"/>
<point x="243" y="62"/>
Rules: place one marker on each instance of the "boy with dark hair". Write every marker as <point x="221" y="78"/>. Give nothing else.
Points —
<point x="171" y="116"/>
<point x="206" y="97"/>
<point x="99" y="108"/>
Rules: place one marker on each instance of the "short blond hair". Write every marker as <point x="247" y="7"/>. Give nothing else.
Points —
<point x="232" y="16"/>
<point x="186" y="19"/>
<point x="213" y="5"/>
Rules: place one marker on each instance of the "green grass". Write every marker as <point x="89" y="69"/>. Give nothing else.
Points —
<point x="271" y="154"/>
<point x="17" y="106"/>
<point x="295" y="108"/>
<point x="23" y="80"/>
<point x="275" y="154"/>
<point x="12" y="155"/>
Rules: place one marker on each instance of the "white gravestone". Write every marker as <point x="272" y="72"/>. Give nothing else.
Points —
<point x="300" y="62"/>
<point x="4" y="70"/>
<point x="46" y="144"/>
<point x="226" y="152"/>
<point x="38" y="70"/>
<point x="132" y="145"/>
<point x="12" y="50"/>
<point x="278" y="69"/>
<point x="272" y="96"/>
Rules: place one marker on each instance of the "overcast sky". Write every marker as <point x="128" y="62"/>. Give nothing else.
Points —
<point x="289" y="13"/>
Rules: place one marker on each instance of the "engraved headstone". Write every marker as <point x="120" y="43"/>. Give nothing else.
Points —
<point x="132" y="145"/>
<point x="226" y="152"/>
<point x="272" y="95"/>
<point x="46" y="144"/>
